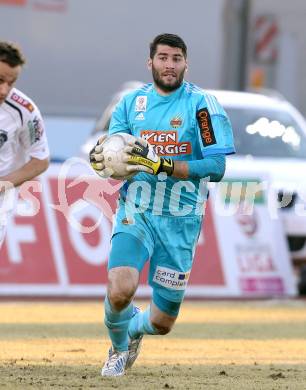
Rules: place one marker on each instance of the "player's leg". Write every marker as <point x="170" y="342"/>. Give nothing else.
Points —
<point x="2" y="233"/>
<point x="157" y="319"/>
<point x="122" y="284"/>
<point x="170" y="266"/>
<point x="3" y="222"/>
<point x="127" y="258"/>
<point x="7" y="203"/>
<point x="163" y="313"/>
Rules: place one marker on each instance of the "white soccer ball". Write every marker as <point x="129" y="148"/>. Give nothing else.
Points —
<point x="112" y="152"/>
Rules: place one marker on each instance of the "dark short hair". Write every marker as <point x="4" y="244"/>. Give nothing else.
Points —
<point x="169" y="40"/>
<point x="11" y="54"/>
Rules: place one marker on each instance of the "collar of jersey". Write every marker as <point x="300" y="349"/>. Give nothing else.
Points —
<point x="171" y="96"/>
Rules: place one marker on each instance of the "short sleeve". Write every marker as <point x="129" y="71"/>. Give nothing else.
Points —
<point x="119" y="121"/>
<point x="214" y="128"/>
<point x="33" y="136"/>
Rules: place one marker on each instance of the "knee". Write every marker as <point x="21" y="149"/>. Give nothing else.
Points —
<point x="161" y="327"/>
<point x="122" y="284"/>
<point x="120" y="298"/>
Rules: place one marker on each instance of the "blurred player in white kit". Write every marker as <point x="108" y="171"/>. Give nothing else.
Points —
<point x="24" y="152"/>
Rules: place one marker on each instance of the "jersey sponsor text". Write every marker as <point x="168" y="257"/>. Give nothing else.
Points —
<point x="165" y="142"/>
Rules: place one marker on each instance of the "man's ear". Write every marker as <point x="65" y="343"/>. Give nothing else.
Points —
<point x="149" y="63"/>
<point x="186" y="68"/>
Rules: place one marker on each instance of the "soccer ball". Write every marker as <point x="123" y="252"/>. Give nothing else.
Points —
<point x="112" y="152"/>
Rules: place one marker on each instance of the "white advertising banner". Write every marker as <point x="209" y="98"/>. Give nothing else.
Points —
<point x="251" y="238"/>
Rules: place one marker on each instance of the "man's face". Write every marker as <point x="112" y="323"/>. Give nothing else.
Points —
<point x="8" y="77"/>
<point x="168" y="68"/>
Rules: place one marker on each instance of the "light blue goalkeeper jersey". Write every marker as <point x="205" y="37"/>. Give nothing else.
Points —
<point x="189" y="124"/>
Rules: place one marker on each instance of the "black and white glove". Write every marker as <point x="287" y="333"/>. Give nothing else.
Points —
<point x="142" y="158"/>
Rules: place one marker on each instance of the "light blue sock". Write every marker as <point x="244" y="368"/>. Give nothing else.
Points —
<point x="117" y="323"/>
<point x="141" y="324"/>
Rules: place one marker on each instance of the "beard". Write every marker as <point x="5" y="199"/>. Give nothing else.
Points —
<point x="167" y="87"/>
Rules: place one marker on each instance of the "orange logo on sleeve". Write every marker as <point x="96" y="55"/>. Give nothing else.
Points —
<point x="206" y="128"/>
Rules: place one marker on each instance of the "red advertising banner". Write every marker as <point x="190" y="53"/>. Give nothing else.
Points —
<point x="58" y="242"/>
<point x="26" y="256"/>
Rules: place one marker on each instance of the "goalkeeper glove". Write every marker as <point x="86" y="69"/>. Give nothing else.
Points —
<point x="96" y="158"/>
<point x="142" y="158"/>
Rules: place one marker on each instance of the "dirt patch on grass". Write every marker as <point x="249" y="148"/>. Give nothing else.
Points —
<point x="52" y="346"/>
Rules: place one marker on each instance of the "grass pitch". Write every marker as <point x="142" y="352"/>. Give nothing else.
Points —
<point x="214" y="345"/>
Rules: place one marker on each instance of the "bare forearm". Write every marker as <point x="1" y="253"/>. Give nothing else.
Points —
<point x="27" y="172"/>
<point x="181" y="170"/>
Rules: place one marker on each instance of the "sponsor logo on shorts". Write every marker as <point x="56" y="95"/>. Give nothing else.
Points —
<point x="165" y="142"/>
<point x="23" y="102"/>
<point x="170" y="278"/>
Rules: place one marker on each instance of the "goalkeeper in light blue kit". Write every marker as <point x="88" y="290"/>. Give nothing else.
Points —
<point x="183" y="136"/>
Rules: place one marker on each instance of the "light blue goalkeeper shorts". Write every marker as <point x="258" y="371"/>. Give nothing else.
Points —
<point x="170" y="243"/>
